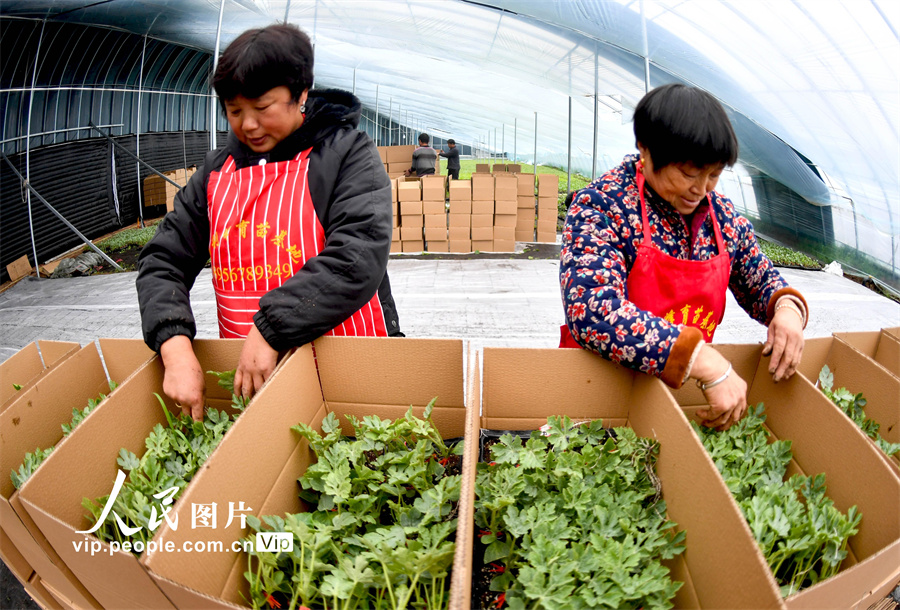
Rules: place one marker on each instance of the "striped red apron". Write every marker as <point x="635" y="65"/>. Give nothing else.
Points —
<point x="263" y="229"/>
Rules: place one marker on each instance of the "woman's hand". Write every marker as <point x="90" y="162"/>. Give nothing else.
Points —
<point x="728" y="399"/>
<point x="784" y="342"/>
<point x="183" y="381"/>
<point x="258" y="360"/>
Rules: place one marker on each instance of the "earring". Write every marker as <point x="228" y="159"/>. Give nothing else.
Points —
<point x="303" y="108"/>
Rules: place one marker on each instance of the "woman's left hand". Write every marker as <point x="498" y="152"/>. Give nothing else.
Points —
<point x="257" y="361"/>
<point x="784" y="342"/>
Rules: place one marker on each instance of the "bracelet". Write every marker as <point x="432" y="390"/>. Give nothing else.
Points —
<point x="712" y="384"/>
<point x="790" y="305"/>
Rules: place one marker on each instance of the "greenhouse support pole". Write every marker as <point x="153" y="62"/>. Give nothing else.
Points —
<point x="515" y="139"/>
<point x="354" y="70"/>
<point x="215" y="64"/>
<point x="503" y="141"/>
<point x="137" y="134"/>
<point x="646" y="50"/>
<point x="596" y="110"/>
<point x="535" y="143"/>
<point x="569" y="159"/>
<point x="287" y="11"/>
<point x="37" y="59"/>
<point x="183" y="145"/>
<point x="377" y="129"/>
<point x="391" y="121"/>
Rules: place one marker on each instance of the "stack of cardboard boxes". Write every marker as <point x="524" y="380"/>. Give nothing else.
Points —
<point x="525" y="207"/>
<point x="158" y="191"/>
<point x="460" y="218"/>
<point x="412" y="220"/>
<point x="548" y="193"/>
<point x="505" y="208"/>
<point x="395" y="225"/>
<point x="482" y="212"/>
<point x="435" y="211"/>
<point x="396" y="159"/>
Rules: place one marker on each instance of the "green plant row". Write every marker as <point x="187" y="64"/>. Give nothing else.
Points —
<point x="33" y="460"/>
<point x="800" y="532"/>
<point x="786" y="256"/>
<point x="853" y="406"/>
<point x="381" y="526"/>
<point x="174" y="454"/>
<point x="128" y="238"/>
<point x="573" y="518"/>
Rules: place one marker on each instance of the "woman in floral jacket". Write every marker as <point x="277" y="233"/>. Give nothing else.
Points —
<point x="650" y="248"/>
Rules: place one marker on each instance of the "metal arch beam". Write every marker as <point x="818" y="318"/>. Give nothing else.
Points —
<point x="134" y="156"/>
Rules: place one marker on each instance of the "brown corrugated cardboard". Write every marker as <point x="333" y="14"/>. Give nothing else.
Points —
<point x="505" y="234"/>
<point x="382" y="153"/>
<point x="548" y="204"/>
<point x="35" y="588"/>
<point x="499" y="168"/>
<point x="482" y="245"/>
<point x="722" y="567"/>
<point x="29" y="364"/>
<point x="394" y="190"/>
<point x="19" y="268"/>
<point x="482" y="187"/>
<point x="460" y="190"/>
<point x="409" y="208"/>
<point x="84" y="465"/>
<point x="461" y="207"/>
<point x="13" y="559"/>
<point x="888" y="353"/>
<point x="459" y="220"/>
<point x="525" y="185"/>
<point x="409" y="190"/>
<point x="395" y="234"/>
<point x="413" y="245"/>
<point x="33" y="421"/>
<point x="524" y="235"/>
<point x="525" y="202"/>
<point x="438" y="246"/>
<point x="545" y="237"/>
<point x="396" y="246"/>
<point x="505" y="187"/>
<point x="893" y="331"/>
<point x="434" y="207"/>
<point x="855" y="473"/>
<point x="397" y="154"/>
<point x="482" y="167"/>
<point x="410" y="233"/>
<point x="434" y="187"/>
<point x="514" y="168"/>
<point x="460" y="245"/>
<point x="459" y="233"/>
<point x="548" y="185"/>
<point x="436" y="221"/>
<point x="483" y="233"/>
<point x="505" y="206"/>
<point x="525" y="216"/>
<point x="503" y="245"/>
<point x="482" y="220"/>
<point x="395" y="215"/>
<point x="869" y="344"/>
<point x="483" y="207"/>
<point x="347" y="376"/>
<point x="412" y="221"/>
<point x="546" y="226"/>
<point x="505" y="220"/>
<point x="859" y="374"/>
<point x="435" y="234"/>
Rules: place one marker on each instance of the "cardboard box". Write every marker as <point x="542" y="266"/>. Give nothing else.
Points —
<point x="482" y="245"/>
<point x="395" y="214"/>
<point x="84" y="466"/>
<point x="436" y="221"/>
<point x="394" y="190"/>
<point x="505" y="206"/>
<point x="525" y="185"/>
<point x="526" y="203"/>
<point x="411" y="233"/>
<point x="482" y="187"/>
<point x="396" y="246"/>
<point x="870" y="344"/>
<point x="438" y="245"/>
<point x="409" y="190"/>
<point x="548" y="204"/>
<point x="435" y="234"/>
<point x="35" y="588"/>
<point x="460" y="245"/>
<point x="514" y="168"/>
<point x="460" y="190"/>
<point x="546" y="226"/>
<point x="410" y="208"/>
<point x="506" y="234"/>
<point x="417" y="245"/>
<point x="19" y="268"/>
<point x="459" y="233"/>
<point x="525" y="217"/>
<point x="545" y="237"/>
<point x="397" y="154"/>
<point x="504" y="245"/>
<point x="382" y="153"/>
<point x="855" y="473"/>
<point x="482" y="220"/>
<point x="14" y="560"/>
<point x="434" y="187"/>
<point x="346" y="376"/>
<point x="395" y="234"/>
<point x="459" y="220"/>
<point x="505" y="220"/>
<point x="461" y="207"/>
<point x="33" y="421"/>
<point x="548" y="185"/>
<point x="505" y="187"/>
<point x="412" y="221"/>
<point x="524" y="235"/>
<point x="27" y="366"/>
<point x="859" y="374"/>
<point x="482" y="233"/>
<point x="483" y="168"/>
<point x="434" y="207"/>
<point x="482" y="207"/>
<point x="499" y="168"/>
<point x="520" y="389"/>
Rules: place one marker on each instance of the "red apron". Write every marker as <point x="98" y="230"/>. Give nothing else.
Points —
<point x="688" y="292"/>
<point x="263" y="229"/>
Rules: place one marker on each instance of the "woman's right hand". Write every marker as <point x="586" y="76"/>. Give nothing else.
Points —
<point x="728" y="399"/>
<point x="183" y="382"/>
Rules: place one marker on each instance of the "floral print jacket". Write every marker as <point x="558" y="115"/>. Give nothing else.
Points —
<point x="599" y="244"/>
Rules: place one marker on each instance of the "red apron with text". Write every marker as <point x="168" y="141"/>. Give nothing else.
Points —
<point x="688" y="292"/>
<point x="263" y="229"/>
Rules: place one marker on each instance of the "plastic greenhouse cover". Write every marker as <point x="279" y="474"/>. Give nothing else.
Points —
<point x="818" y="77"/>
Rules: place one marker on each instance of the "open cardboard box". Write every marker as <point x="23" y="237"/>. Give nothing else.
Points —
<point x="29" y="364"/>
<point x="260" y="461"/>
<point x="824" y="440"/>
<point x="881" y="346"/>
<point x="33" y="420"/>
<point x="859" y="374"/>
<point x="722" y="567"/>
<point x="84" y="465"/>
<point x="35" y="588"/>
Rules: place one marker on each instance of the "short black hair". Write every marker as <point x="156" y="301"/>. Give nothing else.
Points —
<point x="264" y="58"/>
<point x="451" y="141"/>
<point x="679" y="124"/>
<point x="424" y="138"/>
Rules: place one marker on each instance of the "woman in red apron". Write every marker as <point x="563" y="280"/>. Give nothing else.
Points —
<point x="649" y="250"/>
<point x="293" y="214"/>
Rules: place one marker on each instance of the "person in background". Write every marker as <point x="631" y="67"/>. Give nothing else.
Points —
<point x="452" y="156"/>
<point x="650" y="248"/>
<point x="293" y="213"/>
<point x="424" y="159"/>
